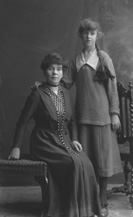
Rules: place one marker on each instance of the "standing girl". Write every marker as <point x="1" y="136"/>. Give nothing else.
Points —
<point x="97" y="106"/>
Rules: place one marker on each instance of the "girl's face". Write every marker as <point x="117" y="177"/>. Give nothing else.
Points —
<point x="89" y="38"/>
<point x="53" y="74"/>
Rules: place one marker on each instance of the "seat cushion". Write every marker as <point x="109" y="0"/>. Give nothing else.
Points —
<point x="37" y="168"/>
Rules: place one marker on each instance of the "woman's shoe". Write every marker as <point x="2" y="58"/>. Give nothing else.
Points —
<point x="104" y="210"/>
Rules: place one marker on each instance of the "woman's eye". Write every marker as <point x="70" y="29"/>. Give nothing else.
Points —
<point x="50" y="68"/>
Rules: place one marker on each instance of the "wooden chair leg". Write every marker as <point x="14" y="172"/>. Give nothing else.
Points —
<point x="131" y="195"/>
<point x="43" y="182"/>
<point x="126" y="172"/>
<point x="44" y="189"/>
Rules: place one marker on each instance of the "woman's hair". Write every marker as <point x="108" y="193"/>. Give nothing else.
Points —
<point x="89" y="25"/>
<point x="53" y="58"/>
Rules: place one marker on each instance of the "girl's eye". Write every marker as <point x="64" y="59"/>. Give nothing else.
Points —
<point x="89" y="32"/>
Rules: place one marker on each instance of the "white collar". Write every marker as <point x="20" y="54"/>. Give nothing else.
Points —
<point x="92" y="61"/>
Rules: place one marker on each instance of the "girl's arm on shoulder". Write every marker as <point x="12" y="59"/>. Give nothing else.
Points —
<point x="36" y="85"/>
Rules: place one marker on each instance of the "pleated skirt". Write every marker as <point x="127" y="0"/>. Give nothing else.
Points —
<point x="100" y="145"/>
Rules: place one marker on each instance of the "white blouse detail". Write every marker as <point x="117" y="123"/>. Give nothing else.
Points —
<point x="92" y="61"/>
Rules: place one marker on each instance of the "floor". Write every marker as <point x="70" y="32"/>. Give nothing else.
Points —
<point x="26" y="202"/>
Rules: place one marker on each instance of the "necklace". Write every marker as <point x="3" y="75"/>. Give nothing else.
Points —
<point x="52" y="85"/>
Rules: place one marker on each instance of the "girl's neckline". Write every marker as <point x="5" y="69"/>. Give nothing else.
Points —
<point x="88" y="54"/>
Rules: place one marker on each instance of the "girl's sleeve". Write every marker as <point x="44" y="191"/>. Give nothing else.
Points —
<point x="25" y="116"/>
<point x="69" y="76"/>
<point x="112" y="90"/>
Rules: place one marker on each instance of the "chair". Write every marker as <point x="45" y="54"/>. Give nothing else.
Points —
<point x="125" y="139"/>
<point x="27" y="166"/>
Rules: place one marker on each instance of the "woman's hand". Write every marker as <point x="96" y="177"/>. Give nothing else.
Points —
<point x="15" y="154"/>
<point x="77" y="146"/>
<point x="115" y="122"/>
<point x="36" y="85"/>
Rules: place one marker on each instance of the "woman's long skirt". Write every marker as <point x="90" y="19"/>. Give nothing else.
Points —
<point x="73" y="190"/>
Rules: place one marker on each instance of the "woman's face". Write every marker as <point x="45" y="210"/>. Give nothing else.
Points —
<point x="89" y="38"/>
<point x="53" y="74"/>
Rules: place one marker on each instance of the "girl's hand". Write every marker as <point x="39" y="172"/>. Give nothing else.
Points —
<point x="115" y="122"/>
<point x="15" y="154"/>
<point x="36" y="85"/>
<point x="77" y="146"/>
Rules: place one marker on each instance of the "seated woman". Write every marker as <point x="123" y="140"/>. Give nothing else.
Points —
<point x="72" y="190"/>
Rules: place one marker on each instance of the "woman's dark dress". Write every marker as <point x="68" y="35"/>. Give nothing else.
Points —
<point x="72" y="184"/>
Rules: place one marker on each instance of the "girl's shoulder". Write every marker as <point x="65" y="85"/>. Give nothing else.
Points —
<point x="73" y="61"/>
<point x="106" y="58"/>
<point x="105" y="55"/>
